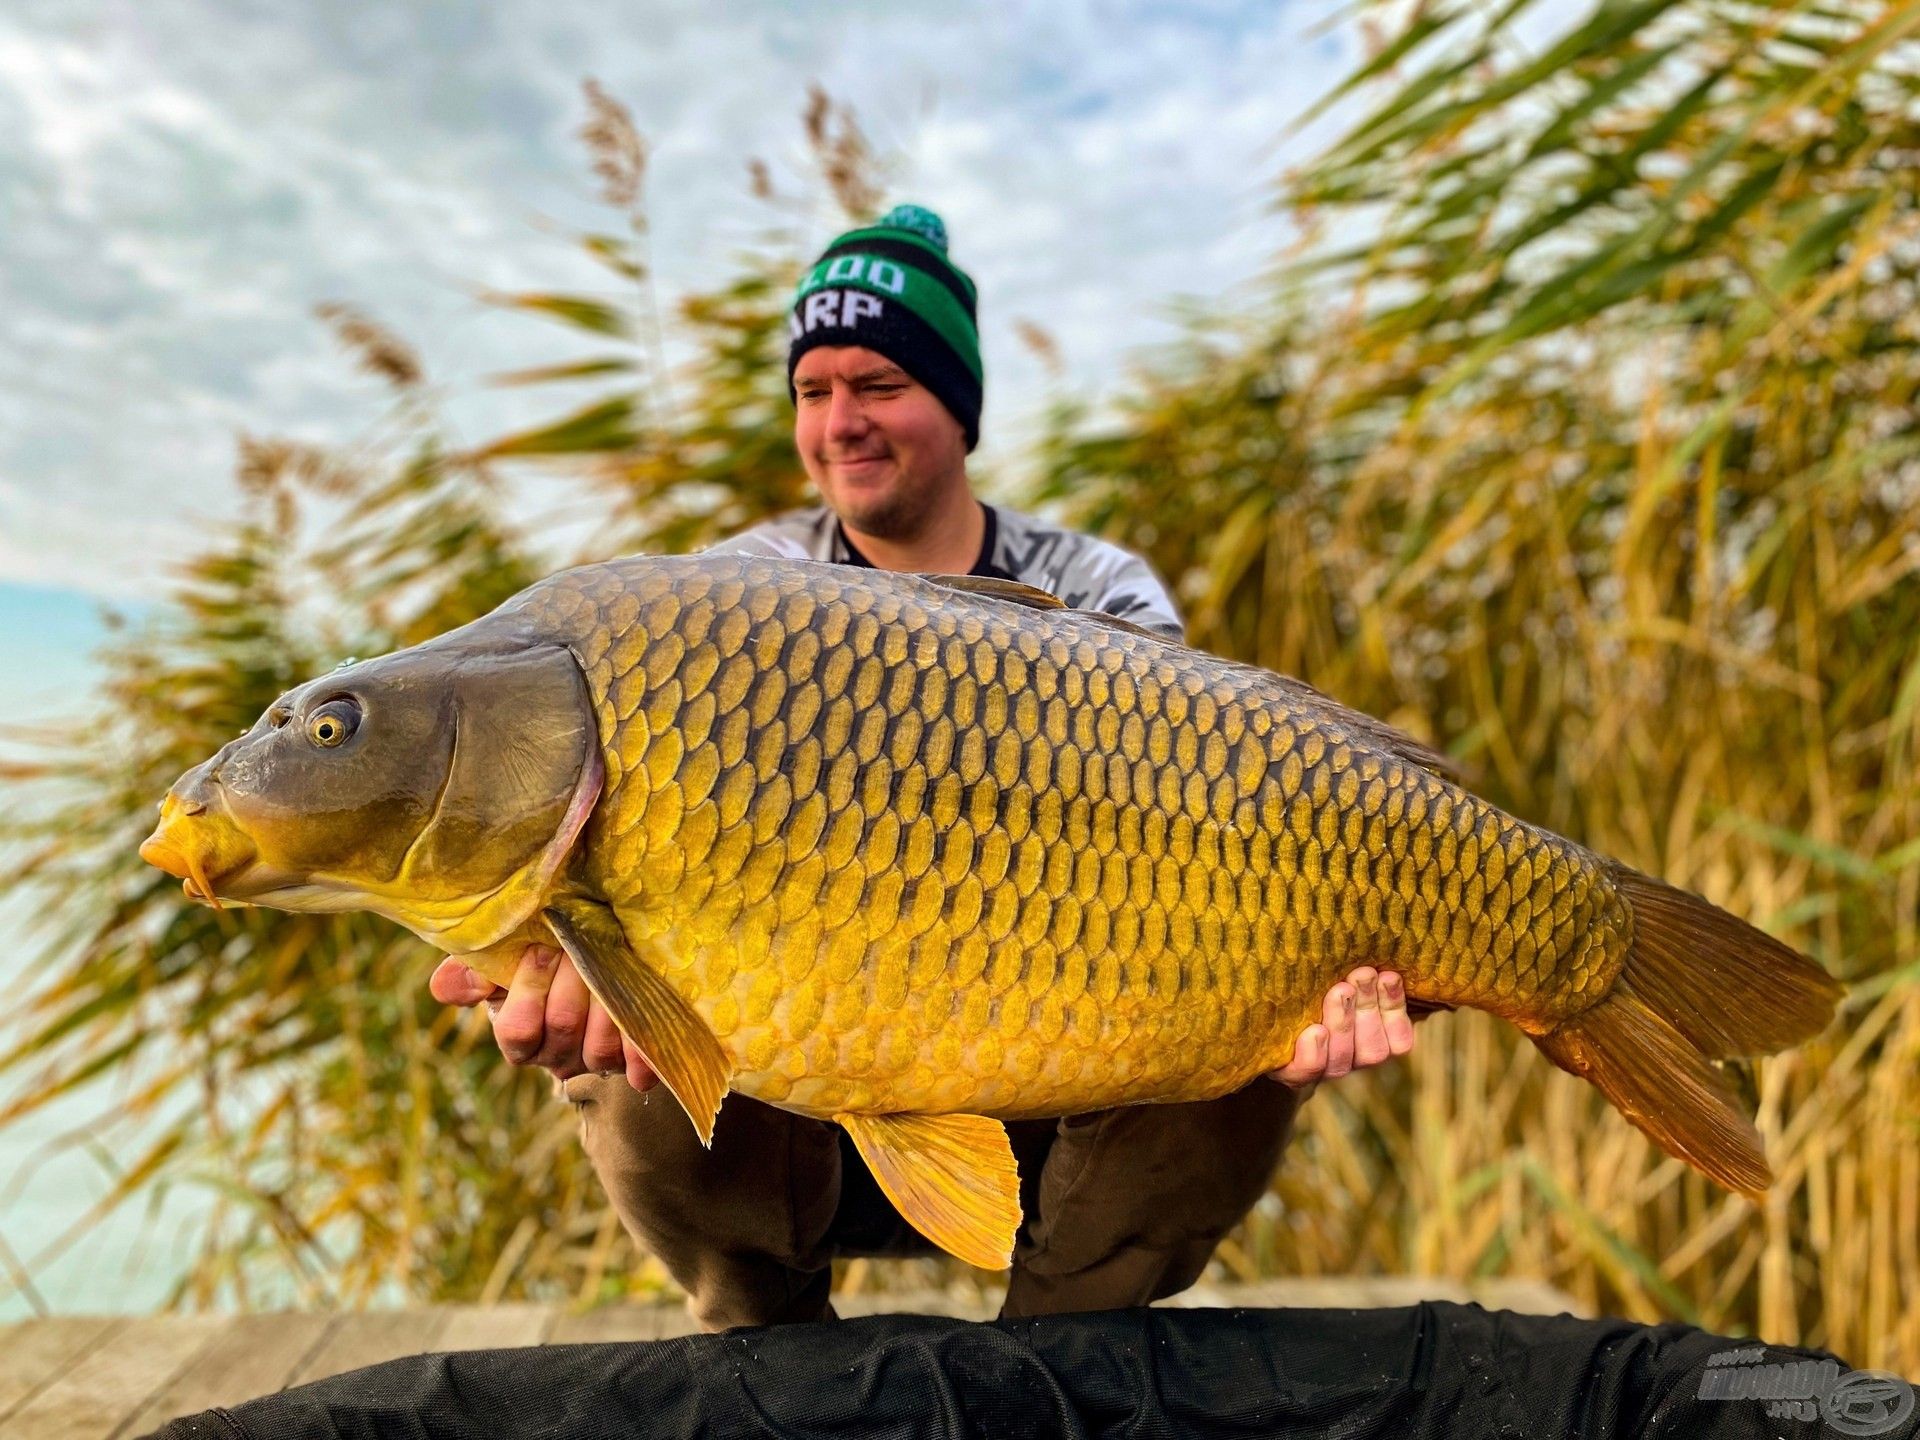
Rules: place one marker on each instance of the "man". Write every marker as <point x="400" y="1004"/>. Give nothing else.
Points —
<point x="1123" y="1207"/>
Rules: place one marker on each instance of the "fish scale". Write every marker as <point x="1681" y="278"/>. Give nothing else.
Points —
<point x="903" y="852"/>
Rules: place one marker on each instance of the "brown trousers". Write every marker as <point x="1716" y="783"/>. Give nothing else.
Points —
<point x="1122" y="1207"/>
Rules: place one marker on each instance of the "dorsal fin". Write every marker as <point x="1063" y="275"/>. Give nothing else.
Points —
<point x="1363" y="726"/>
<point x="1034" y="598"/>
<point x="994" y="588"/>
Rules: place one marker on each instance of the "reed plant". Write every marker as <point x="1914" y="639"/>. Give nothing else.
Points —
<point x="1604" y="478"/>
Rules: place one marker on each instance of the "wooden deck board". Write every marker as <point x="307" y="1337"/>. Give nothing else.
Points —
<point x="39" y="1350"/>
<point x="101" y="1389"/>
<point x="111" y="1378"/>
<point x="621" y="1322"/>
<point x="495" y="1327"/>
<point x="253" y="1355"/>
<point x="369" y="1338"/>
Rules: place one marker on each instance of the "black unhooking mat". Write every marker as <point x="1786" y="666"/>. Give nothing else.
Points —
<point x="1428" y="1370"/>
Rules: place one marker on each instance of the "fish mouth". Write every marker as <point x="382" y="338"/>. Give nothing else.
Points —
<point x="194" y="879"/>
<point x="207" y="852"/>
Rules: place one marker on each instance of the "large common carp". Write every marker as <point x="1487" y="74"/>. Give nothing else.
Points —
<point x="920" y="855"/>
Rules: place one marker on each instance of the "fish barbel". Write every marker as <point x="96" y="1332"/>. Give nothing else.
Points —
<point x="923" y="854"/>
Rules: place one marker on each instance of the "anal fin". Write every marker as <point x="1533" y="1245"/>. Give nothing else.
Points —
<point x="952" y="1177"/>
<point x="679" y="1045"/>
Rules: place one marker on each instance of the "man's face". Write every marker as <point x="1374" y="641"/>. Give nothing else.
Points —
<point x="877" y="444"/>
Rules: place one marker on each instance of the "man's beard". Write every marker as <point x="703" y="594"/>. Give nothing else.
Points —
<point x="900" y="516"/>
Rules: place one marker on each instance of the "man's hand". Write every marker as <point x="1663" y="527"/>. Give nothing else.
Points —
<point x="547" y="1017"/>
<point x="1366" y="1024"/>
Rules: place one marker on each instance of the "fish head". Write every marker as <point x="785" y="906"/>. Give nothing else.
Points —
<point x="438" y="786"/>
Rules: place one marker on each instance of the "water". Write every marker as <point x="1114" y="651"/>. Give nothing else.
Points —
<point x="48" y="673"/>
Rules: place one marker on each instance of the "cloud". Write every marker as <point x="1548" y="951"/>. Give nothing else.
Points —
<point x="185" y="180"/>
<point x="59" y="545"/>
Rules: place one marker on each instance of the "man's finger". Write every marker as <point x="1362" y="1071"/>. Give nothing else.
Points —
<point x="1369" y="1027"/>
<point x="600" y="1049"/>
<point x="1309" y="1060"/>
<point x="1339" y="1016"/>
<point x="566" y="1022"/>
<point x="639" y="1074"/>
<point x="454" y="983"/>
<point x="520" y="1024"/>
<point x="1393" y="1013"/>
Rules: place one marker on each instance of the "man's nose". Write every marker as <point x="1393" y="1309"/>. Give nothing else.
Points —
<point x="846" y="417"/>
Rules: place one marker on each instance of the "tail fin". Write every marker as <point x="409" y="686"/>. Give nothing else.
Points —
<point x="1699" y="985"/>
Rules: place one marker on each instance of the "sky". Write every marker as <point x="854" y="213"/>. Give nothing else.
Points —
<point x="183" y="180"/>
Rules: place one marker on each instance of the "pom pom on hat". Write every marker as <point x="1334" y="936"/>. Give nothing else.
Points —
<point x="917" y="218"/>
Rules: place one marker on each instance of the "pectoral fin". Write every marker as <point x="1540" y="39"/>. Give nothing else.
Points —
<point x="951" y="1176"/>
<point x="677" y="1043"/>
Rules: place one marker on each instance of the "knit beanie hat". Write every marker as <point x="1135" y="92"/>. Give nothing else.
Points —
<point x="889" y="287"/>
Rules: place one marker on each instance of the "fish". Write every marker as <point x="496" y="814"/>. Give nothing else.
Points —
<point x="923" y="854"/>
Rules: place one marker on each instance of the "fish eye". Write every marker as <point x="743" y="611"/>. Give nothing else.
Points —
<point x="333" y="722"/>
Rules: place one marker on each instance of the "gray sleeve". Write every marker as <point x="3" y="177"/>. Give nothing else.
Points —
<point x="1133" y="592"/>
<point x="752" y="542"/>
<point x="782" y="538"/>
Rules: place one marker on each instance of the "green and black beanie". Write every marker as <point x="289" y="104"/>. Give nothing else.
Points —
<point x="889" y="287"/>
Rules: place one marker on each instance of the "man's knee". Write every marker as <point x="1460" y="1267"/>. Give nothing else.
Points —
<point x="742" y="1226"/>
<point x="628" y="1134"/>
<point x="1132" y="1202"/>
<point x="769" y="1182"/>
<point x="725" y="1291"/>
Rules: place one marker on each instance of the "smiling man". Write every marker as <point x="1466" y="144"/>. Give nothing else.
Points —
<point x="1122" y="1207"/>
